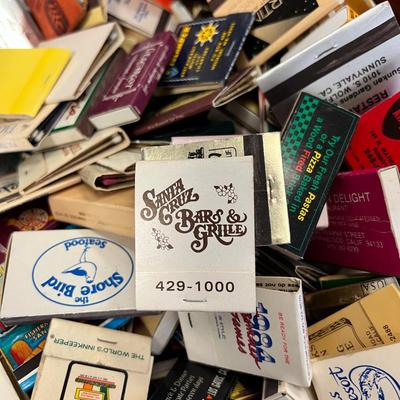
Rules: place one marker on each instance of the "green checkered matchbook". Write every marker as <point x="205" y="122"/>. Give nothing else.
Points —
<point x="314" y="141"/>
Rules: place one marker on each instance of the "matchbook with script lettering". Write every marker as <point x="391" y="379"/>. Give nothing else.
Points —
<point x="270" y="342"/>
<point x="270" y="208"/>
<point x="195" y="235"/>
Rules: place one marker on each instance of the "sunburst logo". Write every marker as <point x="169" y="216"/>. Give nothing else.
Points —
<point x="207" y="33"/>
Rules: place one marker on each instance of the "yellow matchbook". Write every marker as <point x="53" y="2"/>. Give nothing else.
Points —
<point x="27" y="77"/>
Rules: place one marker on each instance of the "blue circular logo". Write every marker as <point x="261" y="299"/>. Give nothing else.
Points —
<point x="82" y="271"/>
<point x="374" y="383"/>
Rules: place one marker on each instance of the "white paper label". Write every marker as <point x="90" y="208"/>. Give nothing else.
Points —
<point x="195" y="235"/>
<point x="142" y="15"/>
